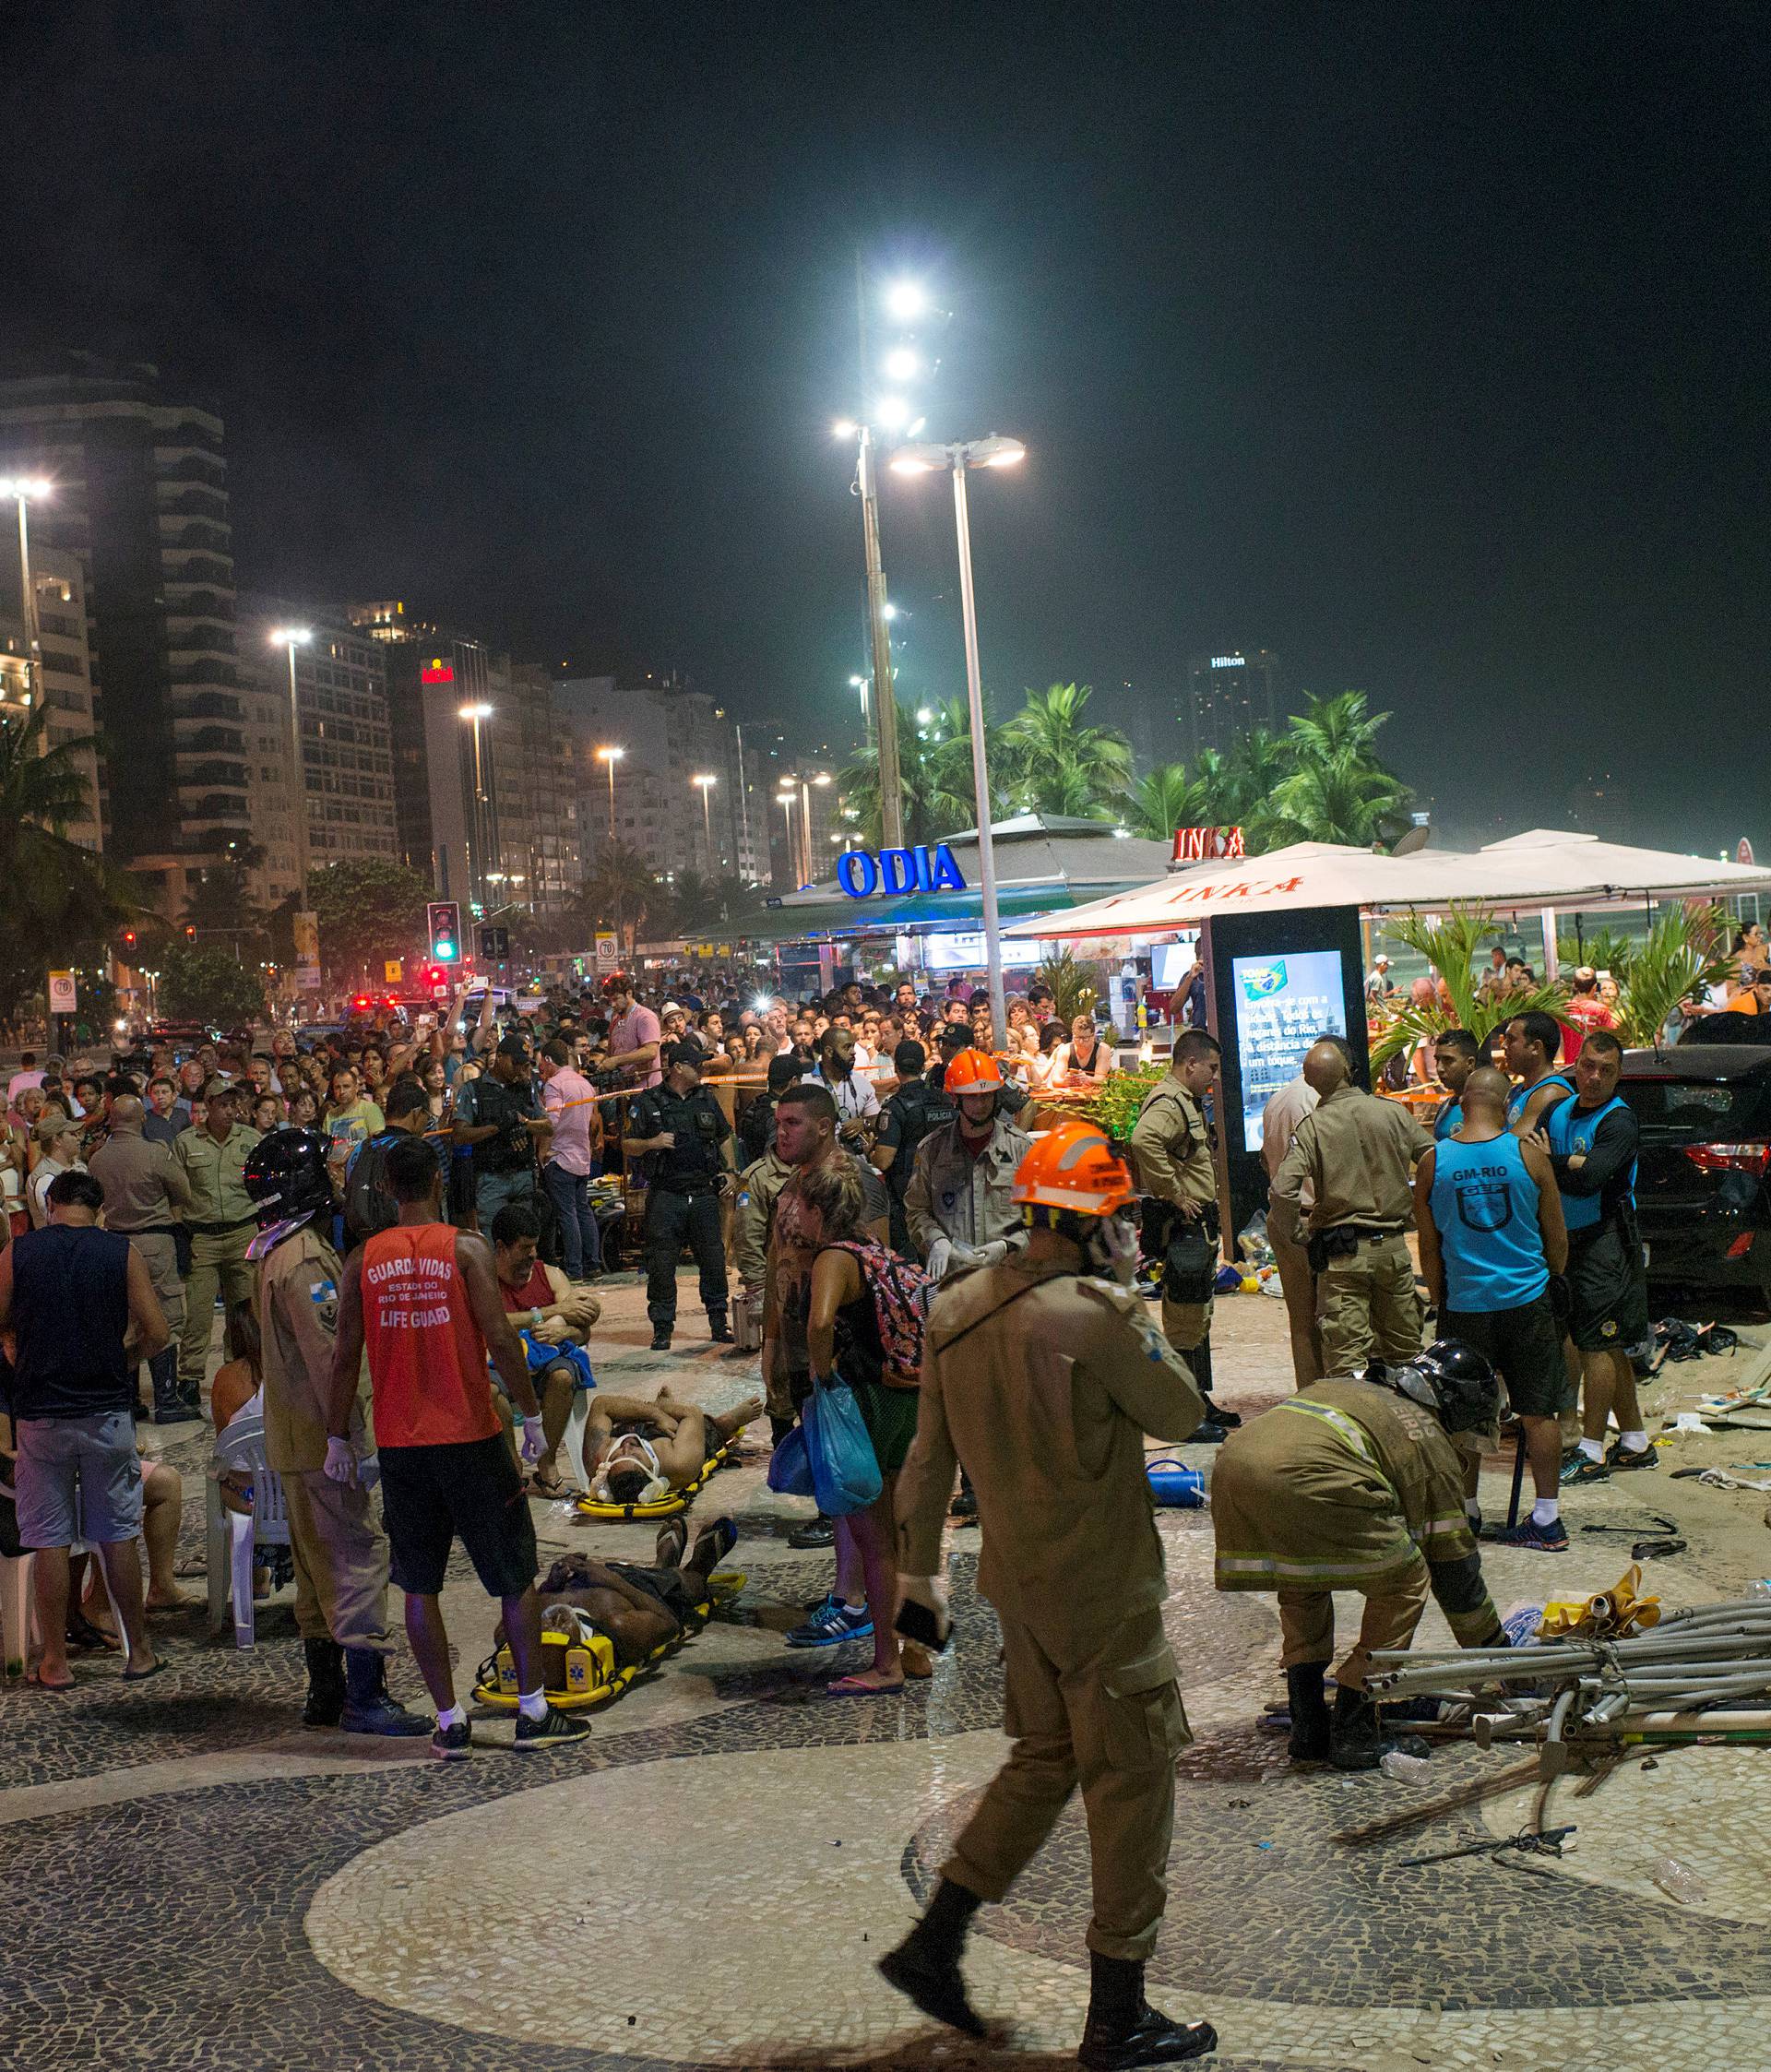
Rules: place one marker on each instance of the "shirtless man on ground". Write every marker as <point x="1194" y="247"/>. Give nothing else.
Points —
<point x="630" y="1444"/>
<point x="639" y="1609"/>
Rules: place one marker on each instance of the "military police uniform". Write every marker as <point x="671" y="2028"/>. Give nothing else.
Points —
<point x="1356" y="1153"/>
<point x="914" y="1112"/>
<point x="222" y="1220"/>
<point x="682" y="1200"/>
<point x="1172" y="1145"/>
<point x="339" y="1550"/>
<point x="1044" y="1383"/>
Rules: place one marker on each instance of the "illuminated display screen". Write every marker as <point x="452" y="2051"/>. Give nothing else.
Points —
<point x="1283" y="1002"/>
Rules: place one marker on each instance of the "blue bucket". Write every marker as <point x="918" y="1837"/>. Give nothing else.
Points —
<point x="1175" y="1485"/>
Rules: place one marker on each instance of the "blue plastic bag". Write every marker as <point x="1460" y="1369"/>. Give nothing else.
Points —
<point x="790" y="1472"/>
<point x="845" y="1468"/>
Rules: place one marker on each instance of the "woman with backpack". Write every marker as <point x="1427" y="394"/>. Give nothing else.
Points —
<point x="863" y="1309"/>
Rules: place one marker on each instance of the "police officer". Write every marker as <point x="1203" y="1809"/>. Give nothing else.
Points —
<point x="1172" y="1145"/>
<point x="683" y="1131"/>
<point x="341" y="1551"/>
<point x="1356" y="1153"/>
<point x="1072" y="1563"/>
<point x="912" y="1112"/>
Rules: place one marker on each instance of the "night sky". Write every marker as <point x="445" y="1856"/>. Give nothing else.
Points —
<point x="1423" y="346"/>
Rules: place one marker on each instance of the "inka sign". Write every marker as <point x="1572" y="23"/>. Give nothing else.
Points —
<point x="1198" y="845"/>
<point x="899" y="871"/>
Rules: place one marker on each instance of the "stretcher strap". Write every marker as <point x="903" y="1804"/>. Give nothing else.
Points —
<point x="664" y="1506"/>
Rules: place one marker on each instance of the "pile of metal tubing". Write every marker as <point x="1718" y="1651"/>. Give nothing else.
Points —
<point x="1693" y="1677"/>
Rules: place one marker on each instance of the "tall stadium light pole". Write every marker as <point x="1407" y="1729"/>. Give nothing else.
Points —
<point x="610" y="756"/>
<point x="474" y="714"/>
<point x="921" y="460"/>
<point x="292" y="637"/>
<point x="891" y="782"/>
<point x="705" y="786"/>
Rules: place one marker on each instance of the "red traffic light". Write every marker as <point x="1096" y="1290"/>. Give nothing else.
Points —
<point x="128" y="938"/>
<point x="190" y="931"/>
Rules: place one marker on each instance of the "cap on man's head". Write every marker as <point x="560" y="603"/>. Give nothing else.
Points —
<point x="513" y="1046"/>
<point x="955" y="1036"/>
<point x="1380" y="958"/>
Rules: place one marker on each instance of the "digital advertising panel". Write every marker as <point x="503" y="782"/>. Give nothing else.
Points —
<point x="1285" y="999"/>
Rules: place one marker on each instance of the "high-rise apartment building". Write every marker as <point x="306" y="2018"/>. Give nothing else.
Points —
<point x="346" y="753"/>
<point x="1228" y="694"/>
<point x="485" y="794"/>
<point x="140" y="499"/>
<point x="668" y="735"/>
<point x="64" y="671"/>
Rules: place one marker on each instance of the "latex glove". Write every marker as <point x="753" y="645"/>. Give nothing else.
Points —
<point x="992" y="1254"/>
<point x="341" y="1462"/>
<point x="940" y="1258"/>
<point x="532" y="1440"/>
<point x="929" y="1592"/>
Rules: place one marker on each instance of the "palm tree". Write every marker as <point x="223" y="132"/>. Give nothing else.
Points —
<point x="1058" y="764"/>
<point x="1334" y="787"/>
<point x="1212" y="795"/>
<point x="1157" y="805"/>
<point x="621" y="889"/>
<point x="59" y="898"/>
<point x="934" y="772"/>
<point x="1256" y="764"/>
<point x="1336" y="723"/>
<point x="1454" y="942"/>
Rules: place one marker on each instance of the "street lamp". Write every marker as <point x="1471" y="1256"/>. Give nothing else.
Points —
<point x="292" y="637"/>
<point x="705" y="785"/>
<point x="25" y="491"/>
<point x="994" y="452"/>
<point x="610" y="756"/>
<point x="474" y="714"/>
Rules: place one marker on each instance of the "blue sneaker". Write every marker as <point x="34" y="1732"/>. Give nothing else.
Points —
<point x="1545" y="1538"/>
<point x="831" y="1626"/>
<point x="1579" y="1470"/>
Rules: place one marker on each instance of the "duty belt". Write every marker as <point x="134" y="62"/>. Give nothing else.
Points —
<point x="221" y="1230"/>
<point x="150" y="1229"/>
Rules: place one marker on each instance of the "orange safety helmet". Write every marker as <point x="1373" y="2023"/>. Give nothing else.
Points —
<point x="1073" y="1166"/>
<point x="972" y="1072"/>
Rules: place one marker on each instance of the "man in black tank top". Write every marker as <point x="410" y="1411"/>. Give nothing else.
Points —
<point x="72" y="1295"/>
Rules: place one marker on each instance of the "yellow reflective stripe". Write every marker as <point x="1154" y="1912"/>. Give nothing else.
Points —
<point x="1339" y="1422"/>
<point x="1292" y="1568"/>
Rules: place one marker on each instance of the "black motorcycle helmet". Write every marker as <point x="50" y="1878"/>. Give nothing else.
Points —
<point x="1451" y="1379"/>
<point x="286" y="1175"/>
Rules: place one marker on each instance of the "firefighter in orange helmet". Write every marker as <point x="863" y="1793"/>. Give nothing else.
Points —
<point x="959" y="1206"/>
<point x="1041" y="1375"/>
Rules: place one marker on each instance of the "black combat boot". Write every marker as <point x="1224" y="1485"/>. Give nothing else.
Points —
<point x="1355" y="1735"/>
<point x="325" y="1683"/>
<point x="661" y="1338"/>
<point x="367" y="1707"/>
<point x="719" y="1329"/>
<point x="1199" y="1359"/>
<point x="170" y="1406"/>
<point x="1310" y="1724"/>
<point x="925" y="1965"/>
<point x="1124" y="2030"/>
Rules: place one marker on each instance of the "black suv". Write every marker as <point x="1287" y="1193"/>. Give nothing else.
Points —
<point x="1703" y="1185"/>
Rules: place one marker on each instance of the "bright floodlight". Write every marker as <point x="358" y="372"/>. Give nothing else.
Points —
<point x="888" y="610"/>
<point x="892" y="413"/>
<point x="855" y="683"/>
<point x="906" y="300"/>
<point x="291" y="635"/>
<point x="902" y="364"/>
<point x="704" y="781"/>
<point x="30" y="487"/>
<point x="995" y="453"/>
<point x="821" y="777"/>
<point x="476" y="712"/>
<point x="610" y="755"/>
<point x="844" y="428"/>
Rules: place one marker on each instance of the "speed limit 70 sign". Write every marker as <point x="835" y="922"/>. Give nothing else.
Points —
<point x="64" y="998"/>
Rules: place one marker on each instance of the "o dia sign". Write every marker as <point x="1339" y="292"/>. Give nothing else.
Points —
<point x="899" y="871"/>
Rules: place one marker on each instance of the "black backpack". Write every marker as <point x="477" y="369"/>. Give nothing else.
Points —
<point x="757" y="1127"/>
<point x="369" y="1204"/>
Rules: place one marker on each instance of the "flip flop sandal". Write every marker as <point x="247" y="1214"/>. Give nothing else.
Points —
<point x="554" y="1492"/>
<point x="845" y="1686"/>
<point x="82" y="1633"/>
<point x="42" y="1683"/>
<point x="141" y="1675"/>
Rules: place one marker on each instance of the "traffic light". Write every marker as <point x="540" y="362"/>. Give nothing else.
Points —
<point x="128" y="938"/>
<point x="494" y="944"/>
<point x="445" y="919"/>
<point x="190" y="931"/>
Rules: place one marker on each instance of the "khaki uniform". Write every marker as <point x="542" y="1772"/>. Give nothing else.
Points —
<point x="1042" y="1386"/>
<point x="759" y="1188"/>
<point x="222" y="1220"/>
<point x="1280" y="1121"/>
<point x="1348" y="1486"/>
<point x="144" y="1192"/>
<point x="1171" y="1144"/>
<point x="966" y="1199"/>
<point x="341" y="1553"/>
<point x="1355" y="1155"/>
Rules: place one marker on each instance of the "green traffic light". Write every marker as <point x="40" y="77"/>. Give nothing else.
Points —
<point x="446" y="949"/>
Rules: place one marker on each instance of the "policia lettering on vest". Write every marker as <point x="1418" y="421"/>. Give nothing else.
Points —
<point x="682" y="1132"/>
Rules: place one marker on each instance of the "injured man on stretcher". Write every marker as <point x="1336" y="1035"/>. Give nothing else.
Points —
<point x="639" y="1609"/>
<point x="639" y="1452"/>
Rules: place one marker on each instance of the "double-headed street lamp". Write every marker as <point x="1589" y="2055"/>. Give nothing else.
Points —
<point x="25" y="491"/>
<point x="609" y="757"/>
<point x="292" y="637"/>
<point x="474" y="714"/>
<point x="921" y="460"/>
<point x="797" y="792"/>
<point x="704" y="785"/>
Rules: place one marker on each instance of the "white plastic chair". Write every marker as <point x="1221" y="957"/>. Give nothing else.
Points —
<point x="570" y="1457"/>
<point x="241" y="1448"/>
